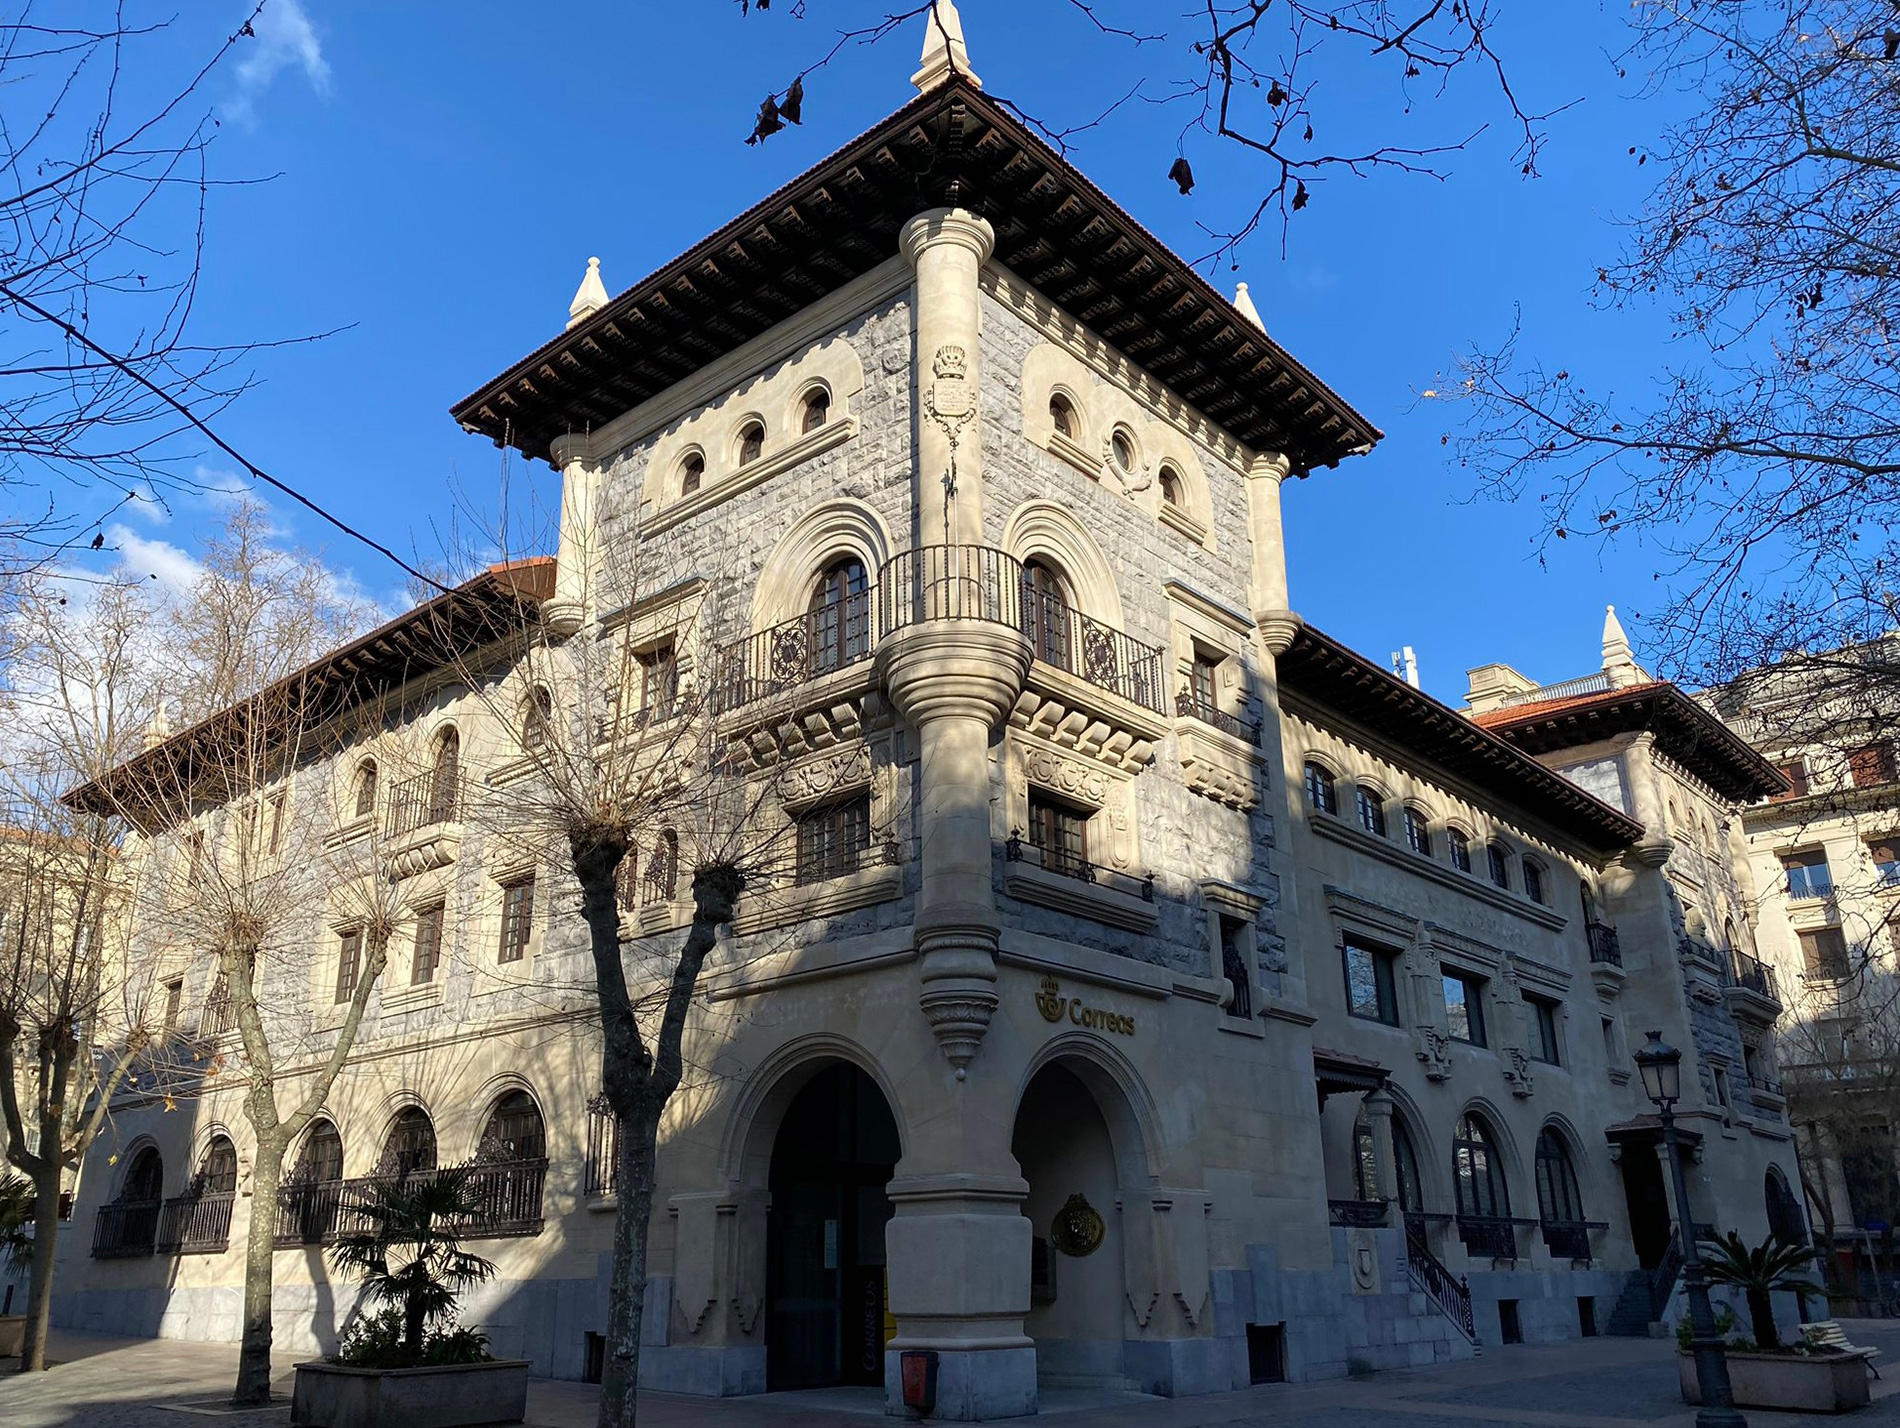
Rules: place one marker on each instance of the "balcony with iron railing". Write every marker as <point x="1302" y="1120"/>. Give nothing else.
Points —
<point x="507" y="1192"/>
<point x="1072" y="883"/>
<point x="1358" y="1214"/>
<point x="1488" y="1236"/>
<point x="1570" y="1239"/>
<point x="198" y="1222"/>
<point x="1606" y="947"/>
<point x="1752" y="991"/>
<point x="792" y="656"/>
<point x="421" y="802"/>
<point x="1188" y="705"/>
<point x="126" y="1229"/>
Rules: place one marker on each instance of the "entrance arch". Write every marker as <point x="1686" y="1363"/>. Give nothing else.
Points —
<point x="1082" y="1159"/>
<point x="832" y="1160"/>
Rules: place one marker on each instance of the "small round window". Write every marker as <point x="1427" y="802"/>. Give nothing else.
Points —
<point x="1123" y="450"/>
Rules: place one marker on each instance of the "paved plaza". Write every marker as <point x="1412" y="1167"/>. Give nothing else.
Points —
<point x="1602" y="1383"/>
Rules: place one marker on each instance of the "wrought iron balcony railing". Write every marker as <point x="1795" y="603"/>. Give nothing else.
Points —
<point x="1020" y="850"/>
<point x="197" y="1223"/>
<point x="1489" y="1236"/>
<point x="307" y="1212"/>
<point x="422" y="801"/>
<point x="1605" y="946"/>
<point x="804" y="648"/>
<point x="1756" y="976"/>
<point x="1569" y="1239"/>
<point x="950" y="582"/>
<point x="602" y="1175"/>
<point x="126" y="1229"/>
<point x="1189" y="706"/>
<point x="508" y="1193"/>
<point x="1103" y="656"/>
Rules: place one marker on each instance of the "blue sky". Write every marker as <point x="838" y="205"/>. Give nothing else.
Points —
<point x="441" y="173"/>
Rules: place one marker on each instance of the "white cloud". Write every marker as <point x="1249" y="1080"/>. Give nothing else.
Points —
<point x="284" y="40"/>
<point x="177" y="572"/>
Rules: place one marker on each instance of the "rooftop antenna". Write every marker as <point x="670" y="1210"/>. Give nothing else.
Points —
<point x="1405" y="665"/>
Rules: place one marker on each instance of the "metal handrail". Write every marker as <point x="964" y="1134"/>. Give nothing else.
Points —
<point x="1492" y="1235"/>
<point x="421" y="802"/>
<point x="1357" y="1214"/>
<point x="126" y="1229"/>
<point x="1431" y="1278"/>
<point x="949" y="582"/>
<point x="1662" y="1279"/>
<point x="1064" y="637"/>
<point x="1754" y="975"/>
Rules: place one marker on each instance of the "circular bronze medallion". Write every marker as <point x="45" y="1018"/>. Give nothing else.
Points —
<point x="1077" y="1229"/>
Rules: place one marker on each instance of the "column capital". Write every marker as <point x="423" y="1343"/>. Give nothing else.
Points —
<point x="568" y="448"/>
<point x="955" y="226"/>
<point x="1269" y="466"/>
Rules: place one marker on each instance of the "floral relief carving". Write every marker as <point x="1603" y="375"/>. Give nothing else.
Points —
<point x="813" y="779"/>
<point x="1066" y="776"/>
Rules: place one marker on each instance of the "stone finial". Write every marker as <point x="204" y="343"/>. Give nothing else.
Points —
<point x="1619" y="661"/>
<point x="944" y="51"/>
<point x="159" y="729"/>
<point x="590" y="297"/>
<point x="1243" y="304"/>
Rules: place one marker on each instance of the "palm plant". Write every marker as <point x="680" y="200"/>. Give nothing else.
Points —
<point x="1775" y="1264"/>
<point x="16" y="1213"/>
<point x="411" y="1256"/>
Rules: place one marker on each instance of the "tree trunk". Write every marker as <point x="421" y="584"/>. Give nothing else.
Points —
<point x="412" y="1321"/>
<point x="639" y="1156"/>
<point x="1761" y="1316"/>
<point x="39" y="1298"/>
<point x="253" y="1376"/>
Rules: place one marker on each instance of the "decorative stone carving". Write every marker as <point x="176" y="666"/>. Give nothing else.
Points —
<point x="1517" y="1071"/>
<point x="1362" y="1254"/>
<point x="950" y="402"/>
<point x="1433" y="1045"/>
<point x="1077" y="1229"/>
<point x="814" y="779"/>
<point x="959" y="1018"/>
<point x="1068" y="777"/>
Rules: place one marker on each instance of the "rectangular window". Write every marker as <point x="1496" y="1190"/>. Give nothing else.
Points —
<point x="1542" y="1015"/>
<point x="1369" y="988"/>
<point x="1796" y="772"/>
<point x="1499" y="864"/>
<point x="174" y="996"/>
<point x="1808" y="874"/>
<point x="1871" y="766"/>
<point x="1609" y="1042"/>
<point x="517" y="918"/>
<point x="349" y="963"/>
<point x="1824" y="953"/>
<point x="278" y="805"/>
<point x="428" y="950"/>
<point x="1886" y="856"/>
<point x="1059" y="832"/>
<point x="659" y="681"/>
<point x="832" y="840"/>
<point x="1464" y="1007"/>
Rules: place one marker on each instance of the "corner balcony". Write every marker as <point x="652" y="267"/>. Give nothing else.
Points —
<point x="1752" y="994"/>
<point x="812" y="681"/>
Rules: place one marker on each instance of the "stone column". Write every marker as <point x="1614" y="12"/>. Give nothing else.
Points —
<point x="1272" y="609"/>
<point x="577" y="555"/>
<point x="1639" y="762"/>
<point x="1378" y="1106"/>
<point x="947" y="247"/>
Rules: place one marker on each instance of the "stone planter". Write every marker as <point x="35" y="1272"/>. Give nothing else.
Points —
<point x="12" y="1335"/>
<point x="1805" y="1383"/>
<point x="447" y="1396"/>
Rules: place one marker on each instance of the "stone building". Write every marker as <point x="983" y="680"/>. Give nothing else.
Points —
<point x="1161" y="996"/>
<point x="1824" y="863"/>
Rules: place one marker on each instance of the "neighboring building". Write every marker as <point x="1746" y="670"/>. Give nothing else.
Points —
<point x="958" y="495"/>
<point x="1825" y="876"/>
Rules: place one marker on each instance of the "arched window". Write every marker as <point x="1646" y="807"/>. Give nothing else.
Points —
<point x="410" y="1149"/>
<point x="1728" y="935"/>
<point x="1785" y="1220"/>
<point x="1500" y="865"/>
<point x="320" y="1162"/>
<point x="1121" y="447"/>
<point x="218" y="1171"/>
<point x="1365" y="1159"/>
<point x="445" y="775"/>
<point x="1405" y="1169"/>
<point x="366" y="788"/>
<point x="1476" y="1173"/>
<point x="817" y="409"/>
<point x="1322" y="792"/>
<point x="692" y="472"/>
<point x="514" y="1130"/>
<point x="1558" y="1200"/>
<point x="1046" y="613"/>
<point x="1460" y="845"/>
<point x="1062" y="416"/>
<point x="1533" y="881"/>
<point x="1170" y="483"/>
<point x="663" y="868"/>
<point x="751" y="442"/>
<point x="1371" y="811"/>
<point x="537" y="719"/>
<point x="627" y="880"/>
<point x="839" y="621"/>
<point x="1418" y="832"/>
<point x="144" y="1179"/>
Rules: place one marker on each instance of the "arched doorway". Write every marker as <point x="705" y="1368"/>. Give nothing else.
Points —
<point x="1784" y="1211"/>
<point x="1076" y="1275"/>
<point x="1648" y="1201"/>
<point x="831" y="1164"/>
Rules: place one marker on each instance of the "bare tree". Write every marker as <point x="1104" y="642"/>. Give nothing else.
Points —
<point x="1762" y="459"/>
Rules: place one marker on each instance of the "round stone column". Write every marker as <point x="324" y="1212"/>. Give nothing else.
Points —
<point x="947" y="247"/>
<point x="1272" y="610"/>
<point x="573" y="572"/>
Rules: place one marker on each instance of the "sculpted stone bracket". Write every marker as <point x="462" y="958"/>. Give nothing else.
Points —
<point x="1217" y="765"/>
<point x="436" y="847"/>
<point x="798" y="727"/>
<point x="1092" y="723"/>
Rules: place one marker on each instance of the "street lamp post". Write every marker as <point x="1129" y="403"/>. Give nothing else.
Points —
<point x="1661" y="1068"/>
